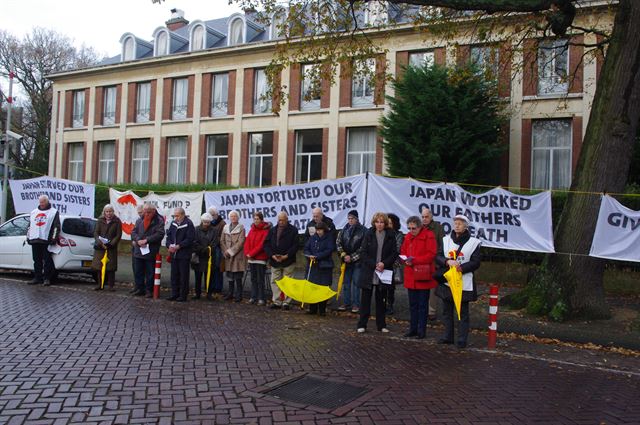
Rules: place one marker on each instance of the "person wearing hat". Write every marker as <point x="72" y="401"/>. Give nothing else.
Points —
<point x="218" y="225"/>
<point x="462" y="251"/>
<point x="256" y="257"/>
<point x="348" y="244"/>
<point x="318" y="250"/>
<point x="204" y="245"/>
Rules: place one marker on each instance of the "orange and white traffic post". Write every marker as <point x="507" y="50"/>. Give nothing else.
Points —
<point x="493" y="316"/>
<point x="156" y="279"/>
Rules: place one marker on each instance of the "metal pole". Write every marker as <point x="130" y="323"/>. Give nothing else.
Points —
<point x="7" y="150"/>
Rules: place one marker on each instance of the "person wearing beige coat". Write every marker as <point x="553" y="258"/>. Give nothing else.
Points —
<point x="235" y="263"/>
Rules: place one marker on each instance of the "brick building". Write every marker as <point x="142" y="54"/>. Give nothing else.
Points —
<point x="187" y="107"/>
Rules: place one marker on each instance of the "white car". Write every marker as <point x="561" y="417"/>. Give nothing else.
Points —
<point x="75" y="242"/>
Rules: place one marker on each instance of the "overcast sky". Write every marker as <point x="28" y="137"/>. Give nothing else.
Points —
<point x="100" y="23"/>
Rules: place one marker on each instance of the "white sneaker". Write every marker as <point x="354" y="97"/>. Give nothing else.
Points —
<point x="384" y="330"/>
<point x="361" y="330"/>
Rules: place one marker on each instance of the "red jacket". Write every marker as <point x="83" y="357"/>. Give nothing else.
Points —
<point x="423" y="250"/>
<point x="255" y="240"/>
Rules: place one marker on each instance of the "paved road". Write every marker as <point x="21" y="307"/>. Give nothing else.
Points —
<point x="74" y="355"/>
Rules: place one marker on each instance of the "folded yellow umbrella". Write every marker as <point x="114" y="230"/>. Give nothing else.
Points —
<point x="104" y="261"/>
<point x="208" y="269"/>
<point x="454" y="278"/>
<point x="341" y="280"/>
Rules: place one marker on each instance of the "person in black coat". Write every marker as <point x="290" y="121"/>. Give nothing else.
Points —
<point x="281" y="246"/>
<point x="180" y="237"/>
<point x="146" y="235"/>
<point x="319" y="249"/>
<point x="348" y="244"/>
<point x="204" y="249"/>
<point x="378" y="252"/>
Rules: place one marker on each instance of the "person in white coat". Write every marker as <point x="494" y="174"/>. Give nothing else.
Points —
<point x="44" y="230"/>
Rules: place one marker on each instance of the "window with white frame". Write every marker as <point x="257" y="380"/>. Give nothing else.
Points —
<point x="220" y="95"/>
<point x="277" y="28"/>
<point x="76" y="161"/>
<point x="109" y="107"/>
<point x="261" y="103"/>
<point x="420" y="59"/>
<point x="140" y="149"/>
<point x="310" y="88"/>
<point x="485" y="59"/>
<point x="217" y="157"/>
<point x="128" y="49"/>
<point x="197" y="38"/>
<point x="180" y="95"/>
<point x="308" y="155"/>
<point x="361" y="150"/>
<point x="177" y="160"/>
<point x="236" y="32"/>
<point x="260" y="159"/>
<point x="551" y="154"/>
<point x="107" y="162"/>
<point x="363" y="84"/>
<point x="553" y="67"/>
<point x="143" y="102"/>
<point x="78" y="109"/>
<point x="162" y="43"/>
<point x="375" y="13"/>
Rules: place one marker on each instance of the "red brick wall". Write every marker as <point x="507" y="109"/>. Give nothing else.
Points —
<point x="247" y="95"/>
<point x="295" y="89"/>
<point x="505" y="57"/>
<point x="95" y="162"/>
<point x="65" y="160"/>
<point x="231" y="106"/>
<point x="402" y="60"/>
<point x="132" y="93"/>
<point x="118" y="107"/>
<point x="87" y="99"/>
<point x="440" y="56"/>
<point x="381" y="66"/>
<point x="163" y="160"/>
<point x="274" y="162"/>
<point x="244" y="157"/>
<point x="230" y="160"/>
<point x="525" y="158"/>
<point x="152" y="100"/>
<point x="345" y="83"/>
<point x="202" y="158"/>
<point x="342" y="151"/>
<point x="167" y="94"/>
<point x="325" y="151"/>
<point x="576" y="64"/>
<point x="191" y="80"/>
<point x="325" y="87"/>
<point x="127" y="161"/>
<point x="68" y="108"/>
<point x="188" y="162"/>
<point x="530" y="68"/>
<point x="97" y="120"/>
<point x="463" y="54"/>
<point x="291" y="152"/>
<point x="205" y="106"/>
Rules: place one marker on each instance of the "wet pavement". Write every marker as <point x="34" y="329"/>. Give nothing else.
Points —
<point x="69" y="354"/>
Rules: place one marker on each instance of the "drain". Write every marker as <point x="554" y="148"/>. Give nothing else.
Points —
<point x="317" y="392"/>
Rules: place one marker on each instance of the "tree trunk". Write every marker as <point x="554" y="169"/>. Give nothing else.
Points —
<point x="603" y="167"/>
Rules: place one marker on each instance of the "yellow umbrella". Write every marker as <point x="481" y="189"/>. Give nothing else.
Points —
<point x="304" y="291"/>
<point x="341" y="280"/>
<point x="208" y="269"/>
<point x="104" y="262"/>
<point x="454" y="278"/>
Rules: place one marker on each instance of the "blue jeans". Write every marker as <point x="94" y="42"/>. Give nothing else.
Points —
<point x="418" y="301"/>
<point x="350" y="289"/>
<point x="144" y="274"/>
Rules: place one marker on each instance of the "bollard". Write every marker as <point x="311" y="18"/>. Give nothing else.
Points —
<point x="493" y="316"/>
<point x="156" y="281"/>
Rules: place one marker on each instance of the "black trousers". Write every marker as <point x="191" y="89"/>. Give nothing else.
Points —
<point x="448" y="314"/>
<point x="365" y="306"/>
<point x="42" y="262"/>
<point x="200" y="272"/>
<point x="320" y="307"/>
<point x="235" y="285"/>
<point x="180" y="278"/>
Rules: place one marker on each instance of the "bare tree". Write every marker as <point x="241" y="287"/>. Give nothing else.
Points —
<point x="38" y="54"/>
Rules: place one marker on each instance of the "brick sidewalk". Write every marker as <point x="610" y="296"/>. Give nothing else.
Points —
<point x="78" y="356"/>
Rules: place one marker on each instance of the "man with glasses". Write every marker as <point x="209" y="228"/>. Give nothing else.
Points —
<point x="147" y="237"/>
<point x="429" y="223"/>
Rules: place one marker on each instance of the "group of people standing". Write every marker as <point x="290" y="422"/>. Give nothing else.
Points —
<point x="375" y="260"/>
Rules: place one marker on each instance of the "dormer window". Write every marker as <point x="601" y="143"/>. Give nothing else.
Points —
<point x="162" y="44"/>
<point x="276" y="29"/>
<point x="128" y="49"/>
<point x="375" y="13"/>
<point x="236" y="32"/>
<point x="197" y="38"/>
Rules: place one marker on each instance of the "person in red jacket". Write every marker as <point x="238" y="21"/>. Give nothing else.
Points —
<point x="418" y="252"/>
<point x="256" y="257"/>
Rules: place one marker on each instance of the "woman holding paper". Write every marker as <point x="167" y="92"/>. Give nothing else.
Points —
<point x="418" y="253"/>
<point x="107" y="234"/>
<point x="378" y="252"/>
<point x="462" y="252"/>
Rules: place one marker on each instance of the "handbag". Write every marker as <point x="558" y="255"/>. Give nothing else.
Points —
<point x="422" y="272"/>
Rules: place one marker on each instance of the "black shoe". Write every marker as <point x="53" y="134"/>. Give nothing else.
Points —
<point x="238" y="300"/>
<point x="149" y="295"/>
<point x="47" y="282"/>
<point x="196" y="297"/>
<point x="461" y="345"/>
<point x="133" y="291"/>
<point x="228" y="298"/>
<point x="139" y="293"/>
<point x="34" y="282"/>
<point x="323" y="313"/>
<point x="410" y="335"/>
<point x="389" y="311"/>
<point x="97" y="288"/>
<point x="181" y="300"/>
<point x="209" y="297"/>
<point x="420" y="336"/>
<point x="274" y="306"/>
<point x="285" y="306"/>
<point x="172" y="298"/>
<point x="444" y="341"/>
<point x="111" y="289"/>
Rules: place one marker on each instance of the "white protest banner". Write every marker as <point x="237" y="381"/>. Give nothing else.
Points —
<point x="335" y="197"/>
<point x="125" y="205"/>
<point x="67" y="196"/>
<point x="617" y="234"/>
<point x="499" y="218"/>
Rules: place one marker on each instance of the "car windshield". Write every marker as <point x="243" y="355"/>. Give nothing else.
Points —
<point x="79" y="226"/>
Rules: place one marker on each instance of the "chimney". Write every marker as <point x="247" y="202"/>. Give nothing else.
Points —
<point x="177" y="20"/>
